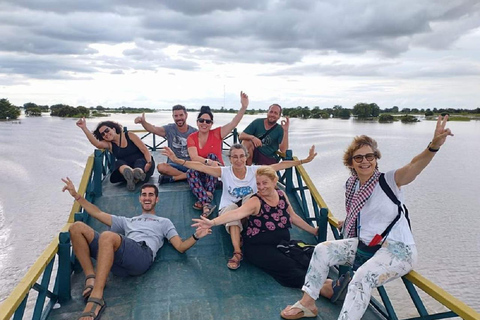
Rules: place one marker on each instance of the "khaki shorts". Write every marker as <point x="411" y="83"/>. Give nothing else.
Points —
<point x="231" y="207"/>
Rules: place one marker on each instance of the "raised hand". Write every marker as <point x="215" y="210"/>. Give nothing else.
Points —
<point x="169" y="153"/>
<point x="69" y="186"/>
<point x="311" y="155"/>
<point x="200" y="232"/>
<point x="285" y="124"/>
<point x="82" y="123"/>
<point x="140" y="119"/>
<point x="202" y="223"/>
<point x="244" y="99"/>
<point x="440" y="134"/>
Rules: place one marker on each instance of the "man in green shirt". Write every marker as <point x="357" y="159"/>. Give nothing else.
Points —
<point x="263" y="137"/>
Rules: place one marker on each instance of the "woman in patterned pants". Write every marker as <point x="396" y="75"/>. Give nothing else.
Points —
<point x="369" y="213"/>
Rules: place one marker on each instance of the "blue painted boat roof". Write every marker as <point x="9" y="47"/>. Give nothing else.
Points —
<point x="193" y="285"/>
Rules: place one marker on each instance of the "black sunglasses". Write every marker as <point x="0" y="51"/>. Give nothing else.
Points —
<point x="107" y="130"/>
<point x="359" y="157"/>
<point x="201" y="120"/>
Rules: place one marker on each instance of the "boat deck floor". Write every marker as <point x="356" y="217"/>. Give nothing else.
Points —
<point x="194" y="285"/>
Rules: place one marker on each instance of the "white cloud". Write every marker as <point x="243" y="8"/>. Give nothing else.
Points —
<point x="295" y="52"/>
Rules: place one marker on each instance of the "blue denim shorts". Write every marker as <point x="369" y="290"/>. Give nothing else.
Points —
<point x="131" y="259"/>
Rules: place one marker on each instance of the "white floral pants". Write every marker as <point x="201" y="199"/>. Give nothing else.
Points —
<point x="393" y="260"/>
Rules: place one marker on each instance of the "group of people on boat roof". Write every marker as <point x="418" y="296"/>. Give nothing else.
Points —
<point x="377" y="240"/>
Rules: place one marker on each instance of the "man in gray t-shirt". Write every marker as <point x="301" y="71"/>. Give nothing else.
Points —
<point x="128" y="249"/>
<point x="176" y="135"/>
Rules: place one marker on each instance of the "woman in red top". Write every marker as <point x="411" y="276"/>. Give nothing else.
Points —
<point x="205" y="146"/>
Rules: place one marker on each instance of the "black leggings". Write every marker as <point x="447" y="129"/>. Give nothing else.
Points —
<point x="261" y="251"/>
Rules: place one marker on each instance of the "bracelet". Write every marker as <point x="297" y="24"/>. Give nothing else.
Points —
<point x="195" y="237"/>
<point x="431" y="149"/>
<point x="184" y="161"/>
<point x="214" y="223"/>
<point x="77" y="197"/>
<point x="301" y="162"/>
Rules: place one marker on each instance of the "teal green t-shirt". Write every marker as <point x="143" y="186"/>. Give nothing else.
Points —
<point x="271" y="142"/>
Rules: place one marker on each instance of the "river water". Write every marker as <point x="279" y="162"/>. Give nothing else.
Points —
<point x="443" y="201"/>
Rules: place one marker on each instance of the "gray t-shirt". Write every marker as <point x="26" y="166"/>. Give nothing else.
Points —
<point x="177" y="141"/>
<point x="146" y="227"/>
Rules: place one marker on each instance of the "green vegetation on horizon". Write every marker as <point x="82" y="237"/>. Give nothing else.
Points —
<point x="365" y="111"/>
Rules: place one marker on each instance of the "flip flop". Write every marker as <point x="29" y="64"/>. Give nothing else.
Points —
<point x="97" y="302"/>
<point x="88" y="287"/>
<point x="304" y="312"/>
<point x="340" y="287"/>
<point x="209" y="211"/>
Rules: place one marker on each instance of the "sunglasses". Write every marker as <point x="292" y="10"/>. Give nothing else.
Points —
<point x="369" y="156"/>
<point x="201" y="120"/>
<point x="107" y="130"/>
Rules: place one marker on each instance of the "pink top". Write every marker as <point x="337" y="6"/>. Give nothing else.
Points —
<point x="213" y="145"/>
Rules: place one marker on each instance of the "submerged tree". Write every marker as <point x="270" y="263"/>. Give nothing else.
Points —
<point x="8" y="110"/>
<point x="366" y="110"/>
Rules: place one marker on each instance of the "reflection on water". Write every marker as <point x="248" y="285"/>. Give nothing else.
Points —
<point x="443" y="201"/>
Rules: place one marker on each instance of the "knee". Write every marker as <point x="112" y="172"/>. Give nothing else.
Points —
<point x="108" y="237"/>
<point x="77" y="227"/>
<point x="162" y="167"/>
<point x="248" y="144"/>
<point x="320" y="249"/>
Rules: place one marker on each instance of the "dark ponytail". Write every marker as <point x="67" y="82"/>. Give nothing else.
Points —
<point x="205" y="109"/>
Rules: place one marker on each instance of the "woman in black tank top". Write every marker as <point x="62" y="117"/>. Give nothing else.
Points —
<point x="133" y="163"/>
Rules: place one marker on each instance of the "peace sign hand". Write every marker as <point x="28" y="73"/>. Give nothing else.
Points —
<point x="440" y="134"/>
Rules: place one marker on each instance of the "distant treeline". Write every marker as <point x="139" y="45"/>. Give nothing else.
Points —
<point x="231" y="110"/>
<point x="370" y="111"/>
<point x="360" y="110"/>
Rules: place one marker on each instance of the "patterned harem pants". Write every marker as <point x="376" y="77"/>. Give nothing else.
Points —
<point x="391" y="261"/>
<point x="201" y="183"/>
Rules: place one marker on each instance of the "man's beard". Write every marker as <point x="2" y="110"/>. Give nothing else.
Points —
<point x="271" y="123"/>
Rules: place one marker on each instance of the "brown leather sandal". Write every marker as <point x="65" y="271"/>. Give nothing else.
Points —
<point x="234" y="262"/>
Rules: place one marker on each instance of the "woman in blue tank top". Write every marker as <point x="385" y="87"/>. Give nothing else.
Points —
<point x="133" y="163"/>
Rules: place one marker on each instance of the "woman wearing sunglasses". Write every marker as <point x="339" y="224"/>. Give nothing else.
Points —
<point x="205" y="146"/>
<point x="375" y="229"/>
<point x="133" y="163"/>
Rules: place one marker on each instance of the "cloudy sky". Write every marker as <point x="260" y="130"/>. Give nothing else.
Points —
<point x="408" y="53"/>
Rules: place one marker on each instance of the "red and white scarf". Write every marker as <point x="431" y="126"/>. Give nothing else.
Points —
<point x="355" y="200"/>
